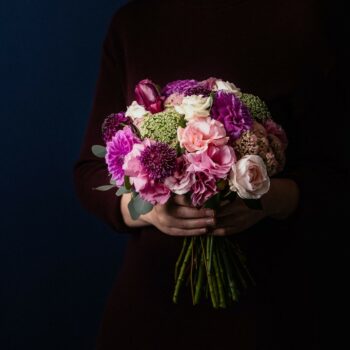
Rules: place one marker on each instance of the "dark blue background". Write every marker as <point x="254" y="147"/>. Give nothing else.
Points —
<point x="57" y="262"/>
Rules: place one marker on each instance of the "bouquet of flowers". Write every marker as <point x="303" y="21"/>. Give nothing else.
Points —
<point x="204" y="139"/>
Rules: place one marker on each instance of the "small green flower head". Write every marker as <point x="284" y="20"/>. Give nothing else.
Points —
<point x="256" y="106"/>
<point x="163" y="126"/>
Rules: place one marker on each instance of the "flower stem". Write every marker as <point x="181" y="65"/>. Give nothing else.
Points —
<point x="229" y="275"/>
<point x="180" y="278"/>
<point x="222" y="302"/>
<point x="199" y="281"/>
<point x="179" y="259"/>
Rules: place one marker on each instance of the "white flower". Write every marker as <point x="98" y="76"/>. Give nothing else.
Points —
<point x="136" y="111"/>
<point x="194" y="106"/>
<point x="249" y="177"/>
<point x="227" y="86"/>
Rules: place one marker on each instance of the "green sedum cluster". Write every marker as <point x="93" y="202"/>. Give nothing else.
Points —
<point x="163" y="126"/>
<point x="256" y="106"/>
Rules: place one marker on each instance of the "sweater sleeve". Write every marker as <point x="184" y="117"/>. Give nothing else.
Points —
<point x="90" y="171"/>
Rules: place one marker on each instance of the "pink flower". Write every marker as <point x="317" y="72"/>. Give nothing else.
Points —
<point x="200" y="132"/>
<point x="273" y="128"/>
<point x="249" y="177"/>
<point x="182" y="180"/>
<point x="174" y="99"/>
<point x="203" y="188"/>
<point x="216" y="161"/>
<point x="150" y="190"/>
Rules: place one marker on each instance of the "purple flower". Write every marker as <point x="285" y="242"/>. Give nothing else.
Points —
<point x="229" y="110"/>
<point x="179" y="86"/>
<point x="120" y="145"/>
<point x="147" y="95"/>
<point x="159" y="160"/>
<point x="113" y="123"/>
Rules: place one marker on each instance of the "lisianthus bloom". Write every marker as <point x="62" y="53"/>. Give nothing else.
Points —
<point x="226" y="86"/>
<point x="113" y="123"/>
<point x="178" y="86"/>
<point x="119" y="146"/>
<point x="200" y="132"/>
<point x="182" y="180"/>
<point x="194" y="106"/>
<point x="230" y="111"/>
<point x="203" y="188"/>
<point x="147" y="165"/>
<point x="216" y="161"/>
<point x="249" y="177"/>
<point x="136" y="111"/>
<point x="147" y="95"/>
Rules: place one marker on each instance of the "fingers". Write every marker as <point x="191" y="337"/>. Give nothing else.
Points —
<point x="191" y="213"/>
<point x="174" y="231"/>
<point x="182" y="200"/>
<point x="189" y="224"/>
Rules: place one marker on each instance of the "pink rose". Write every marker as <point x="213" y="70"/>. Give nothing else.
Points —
<point x="182" y="180"/>
<point x="200" y="132"/>
<point x="216" y="161"/>
<point x="203" y="188"/>
<point x="249" y="177"/>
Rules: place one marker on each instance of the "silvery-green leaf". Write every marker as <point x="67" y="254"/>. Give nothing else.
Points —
<point x="137" y="206"/>
<point x="99" y="151"/>
<point x="112" y="182"/>
<point x="104" y="187"/>
<point x="133" y="213"/>
<point x="122" y="190"/>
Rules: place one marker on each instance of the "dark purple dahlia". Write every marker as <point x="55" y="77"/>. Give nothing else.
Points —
<point x="179" y="86"/>
<point x="159" y="160"/>
<point x="230" y="111"/>
<point x="112" y="124"/>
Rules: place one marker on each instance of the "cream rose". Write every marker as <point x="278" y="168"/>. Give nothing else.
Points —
<point x="194" y="106"/>
<point x="227" y="86"/>
<point x="248" y="177"/>
<point x="136" y="111"/>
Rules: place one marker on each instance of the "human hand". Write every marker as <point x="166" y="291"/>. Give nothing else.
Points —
<point x="176" y="218"/>
<point x="278" y="203"/>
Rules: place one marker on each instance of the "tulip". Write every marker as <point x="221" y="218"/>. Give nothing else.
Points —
<point x="147" y="95"/>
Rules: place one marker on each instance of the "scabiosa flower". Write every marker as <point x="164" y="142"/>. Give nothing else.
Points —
<point x="179" y="86"/>
<point x="197" y="90"/>
<point x="230" y="111"/>
<point x="113" y="123"/>
<point x="159" y="160"/>
<point x="120" y="145"/>
<point x="256" y="106"/>
<point x="162" y="127"/>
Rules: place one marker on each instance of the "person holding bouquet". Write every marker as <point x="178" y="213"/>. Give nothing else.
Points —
<point x="275" y="52"/>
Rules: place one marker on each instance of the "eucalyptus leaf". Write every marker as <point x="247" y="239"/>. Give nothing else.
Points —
<point x="254" y="204"/>
<point x="99" y="151"/>
<point x="137" y="206"/>
<point x="112" y="182"/>
<point x="127" y="183"/>
<point x="104" y="187"/>
<point x="122" y="190"/>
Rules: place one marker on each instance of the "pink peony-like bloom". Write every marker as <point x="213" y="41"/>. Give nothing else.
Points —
<point x="272" y="128"/>
<point x="117" y="149"/>
<point x="249" y="177"/>
<point x="147" y="95"/>
<point x="216" y="161"/>
<point x="203" y="188"/>
<point x="150" y="190"/>
<point x="200" y="132"/>
<point x="174" y="99"/>
<point x="182" y="180"/>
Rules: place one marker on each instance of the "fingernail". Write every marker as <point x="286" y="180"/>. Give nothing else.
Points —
<point x="209" y="212"/>
<point x="211" y="222"/>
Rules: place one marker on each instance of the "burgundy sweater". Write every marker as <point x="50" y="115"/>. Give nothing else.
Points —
<point x="274" y="49"/>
